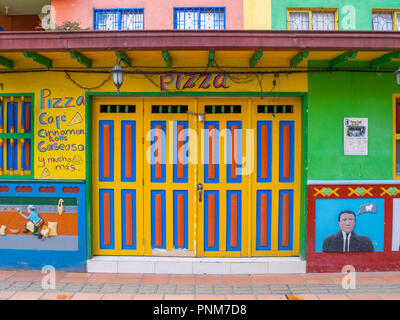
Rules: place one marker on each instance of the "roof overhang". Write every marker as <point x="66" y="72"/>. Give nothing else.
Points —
<point x="239" y="49"/>
<point x="199" y="40"/>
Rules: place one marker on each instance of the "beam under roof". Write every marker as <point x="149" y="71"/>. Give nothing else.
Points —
<point x="342" y="59"/>
<point x="196" y="40"/>
<point x="376" y="63"/>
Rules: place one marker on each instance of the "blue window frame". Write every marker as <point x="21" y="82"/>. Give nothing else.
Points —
<point x="118" y="19"/>
<point x="199" y="18"/>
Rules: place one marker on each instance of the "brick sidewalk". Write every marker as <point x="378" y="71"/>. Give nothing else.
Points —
<point x="23" y="285"/>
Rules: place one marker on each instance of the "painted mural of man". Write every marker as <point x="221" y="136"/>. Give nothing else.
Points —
<point x="346" y="240"/>
<point x="35" y="219"/>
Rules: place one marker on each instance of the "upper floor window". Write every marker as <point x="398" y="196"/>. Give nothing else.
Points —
<point x="385" y="20"/>
<point x="312" y="19"/>
<point x="118" y="19"/>
<point x="199" y="18"/>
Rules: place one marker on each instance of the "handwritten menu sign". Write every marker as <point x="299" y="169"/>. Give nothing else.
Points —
<point x="60" y="137"/>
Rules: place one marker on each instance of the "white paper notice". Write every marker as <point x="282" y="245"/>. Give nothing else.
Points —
<point x="355" y="136"/>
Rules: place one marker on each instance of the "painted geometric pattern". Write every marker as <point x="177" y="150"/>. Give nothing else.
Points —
<point x="326" y="192"/>
<point x="360" y="191"/>
<point x="391" y="191"/>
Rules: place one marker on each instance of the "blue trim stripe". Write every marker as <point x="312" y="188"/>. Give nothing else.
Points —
<point x="102" y="123"/>
<point x="123" y="216"/>
<point x="177" y="152"/>
<point x="206" y="220"/>
<point x="153" y="221"/>
<point x="281" y="125"/>
<point x="260" y="124"/>
<point x="258" y="220"/>
<point x="124" y="124"/>
<point x="153" y="149"/>
<point x="229" y="194"/>
<point x="112" y="229"/>
<point x="207" y="124"/>
<point x="239" y="159"/>
<point x="175" y="200"/>
<point x="290" y="193"/>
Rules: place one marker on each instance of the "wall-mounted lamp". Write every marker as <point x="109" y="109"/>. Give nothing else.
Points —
<point x="118" y="76"/>
<point x="397" y="72"/>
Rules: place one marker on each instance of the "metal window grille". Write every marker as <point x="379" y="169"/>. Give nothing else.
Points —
<point x="118" y="19"/>
<point x="382" y="21"/>
<point x="16" y="136"/>
<point x="199" y="18"/>
<point x="299" y="21"/>
<point x="321" y="19"/>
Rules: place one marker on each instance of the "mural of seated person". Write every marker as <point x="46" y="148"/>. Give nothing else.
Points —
<point x="34" y="218"/>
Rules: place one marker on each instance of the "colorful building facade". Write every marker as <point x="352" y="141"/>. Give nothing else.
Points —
<point x="229" y="151"/>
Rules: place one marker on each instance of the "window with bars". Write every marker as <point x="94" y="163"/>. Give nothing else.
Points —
<point x="16" y="136"/>
<point x="118" y="19"/>
<point x="200" y="18"/>
<point x="312" y="19"/>
<point x="386" y="20"/>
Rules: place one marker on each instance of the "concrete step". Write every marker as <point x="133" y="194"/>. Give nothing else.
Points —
<point x="186" y="265"/>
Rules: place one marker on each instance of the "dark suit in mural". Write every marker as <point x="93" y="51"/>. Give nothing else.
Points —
<point x="335" y="243"/>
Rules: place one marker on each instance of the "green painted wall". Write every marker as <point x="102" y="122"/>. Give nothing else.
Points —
<point x="331" y="98"/>
<point x="362" y="11"/>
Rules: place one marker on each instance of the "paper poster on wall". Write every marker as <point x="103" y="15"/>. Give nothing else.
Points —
<point x="355" y="136"/>
<point x="60" y="137"/>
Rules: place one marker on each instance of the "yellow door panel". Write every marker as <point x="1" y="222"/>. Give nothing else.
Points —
<point x="170" y="144"/>
<point x="276" y="177"/>
<point x="224" y="207"/>
<point x="117" y="176"/>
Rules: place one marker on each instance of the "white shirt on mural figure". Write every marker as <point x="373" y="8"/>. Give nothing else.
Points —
<point x="344" y="241"/>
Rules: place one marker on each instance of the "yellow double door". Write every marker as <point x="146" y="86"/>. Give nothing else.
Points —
<point x="196" y="177"/>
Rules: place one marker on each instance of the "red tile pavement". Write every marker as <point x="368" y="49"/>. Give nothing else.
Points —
<point x="319" y="281"/>
<point x="6" y="294"/>
<point x="302" y="297"/>
<point x="148" y="297"/>
<point x="72" y="280"/>
<point x="127" y="280"/>
<point x="78" y="275"/>
<point x="263" y="279"/>
<point x="28" y="273"/>
<point x="24" y="295"/>
<point x="370" y="280"/>
<point x="362" y="296"/>
<point x="389" y="296"/>
<point x="290" y="279"/>
<point x="271" y="297"/>
<point x="236" y="279"/>
<point x="181" y="281"/>
<point x="56" y="296"/>
<point x="101" y="278"/>
<point x="241" y="297"/>
<point x="21" y="278"/>
<point x="210" y="297"/>
<point x="117" y="296"/>
<point x="86" y="296"/>
<point x="208" y="279"/>
<point x="332" y="296"/>
<point x="129" y="275"/>
<point x="155" y="278"/>
<point x="390" y="276"/>
<point x="179" y="297"/>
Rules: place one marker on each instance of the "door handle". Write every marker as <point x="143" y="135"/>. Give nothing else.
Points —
<point x="200" y="189"/>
